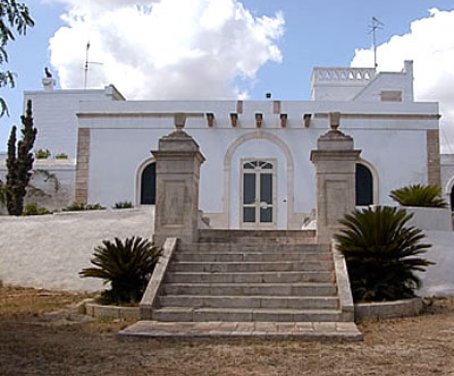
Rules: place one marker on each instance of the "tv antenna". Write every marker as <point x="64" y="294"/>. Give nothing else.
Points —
<point x="87" y="64"/>
<point x="374" y="26"/>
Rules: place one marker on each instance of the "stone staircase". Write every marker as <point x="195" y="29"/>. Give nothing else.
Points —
<point x="236" y="276"/>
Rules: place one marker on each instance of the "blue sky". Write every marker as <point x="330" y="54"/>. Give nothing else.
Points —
<point x="314" y="33"/>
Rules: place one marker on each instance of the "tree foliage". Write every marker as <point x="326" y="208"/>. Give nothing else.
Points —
<point x="127" y="266"/>
<point x="14" y="18"/>
<point x="19" y="163"/>
<point x="419" y="195"/>
<point x="382" y="253"/>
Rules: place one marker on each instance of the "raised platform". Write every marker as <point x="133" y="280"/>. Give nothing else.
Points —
<point x="317" y="331"/>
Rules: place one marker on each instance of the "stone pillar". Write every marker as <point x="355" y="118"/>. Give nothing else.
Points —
<point x="178" y="161"/>
<point x="334" y="161"/>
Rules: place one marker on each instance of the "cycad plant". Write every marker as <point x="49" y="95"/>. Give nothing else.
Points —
<point x="127" y="266"/>
<point x="419" y="195"/>
<point x="382" y="253"/>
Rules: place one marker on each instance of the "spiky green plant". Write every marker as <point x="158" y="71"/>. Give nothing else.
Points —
<point x="127" y="266"/>
<point x="382" y="253"/>
<point x="419" y="195"/>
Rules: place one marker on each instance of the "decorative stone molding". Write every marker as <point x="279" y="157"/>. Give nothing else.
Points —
<point x="234" y="119"/>
<point x="307" y="120"/>
<point x="210" y="119"/>
<point x="239" y="107"/>
<point x="82" y="164"/>
<point x="258" y="120"/>
<point x="283" y="118"/>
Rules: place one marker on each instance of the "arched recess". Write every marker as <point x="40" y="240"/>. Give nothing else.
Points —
<point x="449" y="191"/>
<point x="289" y="166"/>
<point x="366" y="184"/>
<point x="146" y="183"/>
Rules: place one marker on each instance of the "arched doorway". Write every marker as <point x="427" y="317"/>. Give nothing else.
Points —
<point x="364" y="188"/>
<point x="148" y="185"/>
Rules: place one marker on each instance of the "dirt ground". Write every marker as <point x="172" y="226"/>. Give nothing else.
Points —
<point x="33" y="343"/>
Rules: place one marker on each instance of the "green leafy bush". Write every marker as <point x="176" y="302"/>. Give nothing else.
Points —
<point x="75" y="206"/>
<point x="61" y="156"/>
<point x="382" y="253"/>
<point x="32" y="208"/>
<point x="419" y="195"/>
<point x="123" y="205"/>
<point x="42" y="154"/>
<point x="127" y="266"/>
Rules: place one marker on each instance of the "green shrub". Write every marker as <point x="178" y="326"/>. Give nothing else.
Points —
<point x="127" y="266"/>
<point x="32" y="208"/>
<point x="382" y="253"/>
<point x="419" y="195"/>
<point x="42" y="154"/>
<point x="61" y="156"/>
<point x="123" y="205"/>
<point x="75" y="206"/>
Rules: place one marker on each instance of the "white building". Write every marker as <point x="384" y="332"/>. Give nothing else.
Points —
<point x="257" y="172"/>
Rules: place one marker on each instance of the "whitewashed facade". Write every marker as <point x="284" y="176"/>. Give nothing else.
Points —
<point x="258" y="172"/>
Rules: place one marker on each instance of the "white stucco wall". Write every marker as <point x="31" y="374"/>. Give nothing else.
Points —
<point x="55" y="116"/>
<point x="119" y="145"/>
<point x="49" y="251"/>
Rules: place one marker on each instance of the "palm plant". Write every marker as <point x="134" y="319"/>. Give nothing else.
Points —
<point x="382" y="253"/>
<point x="419" y="195"/>
<point x="127" y="266"/>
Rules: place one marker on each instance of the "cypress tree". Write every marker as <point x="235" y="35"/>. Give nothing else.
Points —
<point x="20" y="163"/>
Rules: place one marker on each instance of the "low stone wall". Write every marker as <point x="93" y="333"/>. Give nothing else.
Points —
<point x="387" y="310"/>
<point x="114" y="312"/>
<point x="49" y="251"/>
<point x="430" y="219"/>
<point x="438" y="280"/>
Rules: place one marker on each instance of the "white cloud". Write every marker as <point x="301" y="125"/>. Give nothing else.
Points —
<point x="165" y="48"/>
<point x="430" y="44"/>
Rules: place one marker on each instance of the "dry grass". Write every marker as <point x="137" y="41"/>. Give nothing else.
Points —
<point x="414" y="346"/>
<point x="20" y="301"/>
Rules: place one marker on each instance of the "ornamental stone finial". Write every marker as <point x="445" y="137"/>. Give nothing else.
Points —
<point x="180" y="120"/>
<point x="334" y="120"/>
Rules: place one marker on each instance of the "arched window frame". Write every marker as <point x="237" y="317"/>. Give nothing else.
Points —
<point x="373" y="171"/>
<point x="140" y="169"/>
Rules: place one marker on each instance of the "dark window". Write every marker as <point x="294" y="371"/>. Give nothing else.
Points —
<point x="364" y="186"/>
<point x="452" y="199"/>
<point x="148" y="185"/>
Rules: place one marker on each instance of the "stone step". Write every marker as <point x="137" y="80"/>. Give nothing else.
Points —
<point x="259" y="277"/>
<point x="218" y="234"/>
<point x="326" y="331"/>
<point x="257" y="301"/>
<point x="254" y="248"/>
<point x="253" y="256"/>
<point x="247" y="289"/>
<point x="237" y="267"/>
<point x="188" y="314"/>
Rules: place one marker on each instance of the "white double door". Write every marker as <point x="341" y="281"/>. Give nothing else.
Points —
<point x="258" y="194"/>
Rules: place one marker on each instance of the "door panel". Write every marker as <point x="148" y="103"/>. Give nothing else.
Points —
<point x="258" y="191"/>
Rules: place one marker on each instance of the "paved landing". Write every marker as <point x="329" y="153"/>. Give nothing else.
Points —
<point x="317" y="331"/>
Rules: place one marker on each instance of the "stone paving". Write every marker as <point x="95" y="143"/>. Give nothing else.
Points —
<point x="346" y="331"/>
